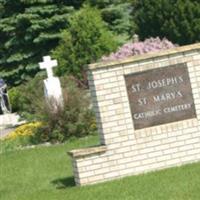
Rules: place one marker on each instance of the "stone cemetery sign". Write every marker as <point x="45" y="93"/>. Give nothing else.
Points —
<point x="148" y="115"/>
<point x="160" y="96"/>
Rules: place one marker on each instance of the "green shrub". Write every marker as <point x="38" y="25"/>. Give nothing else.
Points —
<point x="28" y="98"/>
<point x="15" y="99"/>
<point x="73" y="119"/>
<point x="86" y="40"/>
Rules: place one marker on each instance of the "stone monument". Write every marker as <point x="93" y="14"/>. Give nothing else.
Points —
<point x="148" y="115"/>
<point x="52" y="86"/>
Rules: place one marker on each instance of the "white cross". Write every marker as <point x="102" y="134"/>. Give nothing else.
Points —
<point x="48" y="64"/>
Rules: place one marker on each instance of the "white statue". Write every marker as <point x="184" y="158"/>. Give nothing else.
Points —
<point x="52" y="86"/>
<point x="5" y="106"/>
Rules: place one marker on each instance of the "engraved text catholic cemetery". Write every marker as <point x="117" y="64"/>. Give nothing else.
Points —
<point x="156" y="94"/>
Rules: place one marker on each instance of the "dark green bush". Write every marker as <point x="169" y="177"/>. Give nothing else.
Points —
<point x="177" y="20"/>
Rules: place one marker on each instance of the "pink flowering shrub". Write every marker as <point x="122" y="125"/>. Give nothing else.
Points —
<point x="141" y="47"/>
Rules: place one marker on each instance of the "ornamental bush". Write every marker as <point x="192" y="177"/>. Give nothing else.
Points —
<point x="137" y="48"/>
<point x="74" y="119"/>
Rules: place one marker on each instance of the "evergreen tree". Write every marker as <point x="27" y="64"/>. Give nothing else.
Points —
<point x="178" y="20"/>
<point x="85" y="41"/>
<point x="29" y="29"/>
<point x="117" y="14"/>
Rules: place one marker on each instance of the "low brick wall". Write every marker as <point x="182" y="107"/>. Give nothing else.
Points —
<point x="126" y="151"/>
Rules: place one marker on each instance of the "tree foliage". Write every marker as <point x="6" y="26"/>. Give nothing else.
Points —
<point x="85" y="41"/>
<point x="28" y="31"/>
<point x="117" y="14"/>
<point x="178" y="20"/>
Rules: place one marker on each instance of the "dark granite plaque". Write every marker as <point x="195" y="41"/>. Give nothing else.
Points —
<point x="160" y="96"/>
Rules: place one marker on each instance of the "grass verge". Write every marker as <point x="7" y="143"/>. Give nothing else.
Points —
<point x="45" y="173"/>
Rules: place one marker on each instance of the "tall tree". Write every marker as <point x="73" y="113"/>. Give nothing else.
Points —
<point x="29" y="29"/>
<point x="85" y="41"/>
<point x="178" y="20"/>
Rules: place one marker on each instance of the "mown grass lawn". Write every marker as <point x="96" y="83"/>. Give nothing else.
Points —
<point x="45" y="173"/>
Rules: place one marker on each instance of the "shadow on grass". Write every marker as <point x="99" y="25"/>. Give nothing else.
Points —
<point x="63" y="183"/>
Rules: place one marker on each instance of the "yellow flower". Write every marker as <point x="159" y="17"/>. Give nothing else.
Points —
<point x="25" y="130"/>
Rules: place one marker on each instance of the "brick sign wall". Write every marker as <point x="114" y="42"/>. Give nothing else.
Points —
<point x="148" y="115"/>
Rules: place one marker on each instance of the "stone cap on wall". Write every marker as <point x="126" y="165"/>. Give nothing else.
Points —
<point x="78" y="153"/>
<point x="104" y="64"/>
